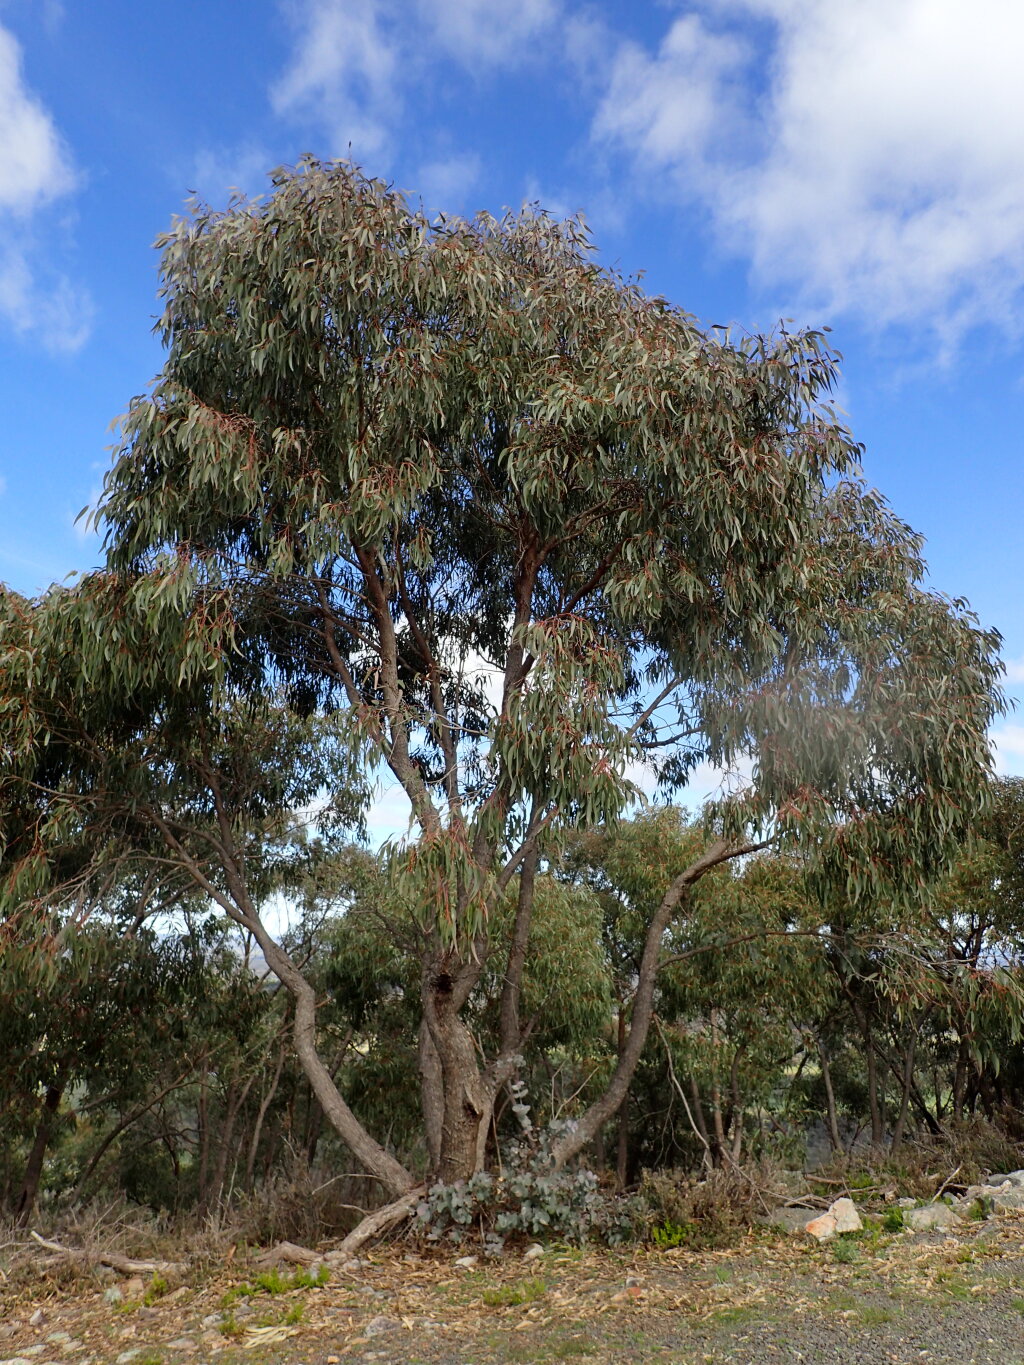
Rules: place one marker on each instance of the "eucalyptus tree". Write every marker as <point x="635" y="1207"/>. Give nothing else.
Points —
<point x="525" y="531"/>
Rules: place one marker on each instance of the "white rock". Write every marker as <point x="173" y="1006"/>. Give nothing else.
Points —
<point x="1010" y="1200"/>
<point x="533" y="1251"/>
<point x="844" y="1211"/>
<point x="932" y="1216"/>
<point x="823" y="1227"/>
<point x="467" y="1262"/>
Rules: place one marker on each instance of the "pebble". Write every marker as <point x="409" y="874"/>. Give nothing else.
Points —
<point x="37" y="1319"/>
<point x="113" y="1295"/>
<point x="533" y="1251"/>
<point x="182" y="1344"/>
<point x="467" y="1262"/>
<point x="125" y="1356"/>
<point x="59" y="1338"/>
<point x="378" y="1326"/>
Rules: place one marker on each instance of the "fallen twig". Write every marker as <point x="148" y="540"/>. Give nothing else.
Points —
<point x="125" y="1264"/>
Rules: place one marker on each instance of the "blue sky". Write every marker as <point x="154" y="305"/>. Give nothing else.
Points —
<point x="857" y="164"/>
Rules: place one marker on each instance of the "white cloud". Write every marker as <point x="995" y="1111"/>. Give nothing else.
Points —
<point x="866" y="154"/>
<point x="215" y="171"/>
<point x="355" y="61"/>
<point x="1014" y="670"/>
<point x="475" y="32"/>
<point x="34" y="167"/>
<point x="36" y="303"/>
<point x="1008" y="746"/>
<point x="447" y="182"/>
<point x="35" y="170"/>
<point x="345" y="70"/>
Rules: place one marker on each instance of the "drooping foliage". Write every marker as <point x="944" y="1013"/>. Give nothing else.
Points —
<point x="453" y="501"/>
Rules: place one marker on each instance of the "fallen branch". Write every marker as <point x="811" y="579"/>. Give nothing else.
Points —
<point x="290" y="1253"/>
<point x="125" y="1264"/>
<point x="376" y="1224"/>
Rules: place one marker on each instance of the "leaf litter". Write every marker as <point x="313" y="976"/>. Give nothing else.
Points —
<point x="606" y="1305"/>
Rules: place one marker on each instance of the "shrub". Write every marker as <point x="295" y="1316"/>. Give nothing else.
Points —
<point x="530" y="1199"/>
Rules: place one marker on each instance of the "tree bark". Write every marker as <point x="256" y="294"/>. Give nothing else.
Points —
<point x="830" y="1098"/>
<point x="34" y="1166"/>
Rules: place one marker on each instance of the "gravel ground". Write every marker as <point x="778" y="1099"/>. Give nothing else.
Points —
<point x="955" y="1298"/>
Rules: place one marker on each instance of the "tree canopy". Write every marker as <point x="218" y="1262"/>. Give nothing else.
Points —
<point x="452" y="501"/>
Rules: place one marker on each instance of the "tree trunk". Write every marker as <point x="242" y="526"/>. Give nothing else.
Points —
<point x="467" y="1100"/>
<point x="608" y="1104"/>
<point x="34" y="1166"/>
<point x="261" y="1114"/>
<point x="830" y="1099"/>
<point x="431" y="1097"/>
<point x="908" y="1081"/>
<point x="367" y="1151"/>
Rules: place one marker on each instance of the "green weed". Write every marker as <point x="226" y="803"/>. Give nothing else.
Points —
<point x="668" y="1234"/>
<point x="510" y="1296"/>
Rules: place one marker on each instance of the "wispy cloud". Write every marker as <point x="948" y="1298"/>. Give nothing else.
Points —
<point x="35" y="170"/>
<point x="865" y="156"/>
<point x="355" y="63"/>
<point x="1014" y="670"/>
<point x="1008" y="748"/>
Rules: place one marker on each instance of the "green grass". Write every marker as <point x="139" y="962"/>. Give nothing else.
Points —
<point x="845" y="1251"/>
<point x="872" y="1316"/>
<point x="510" y="1295"/>
<point x="273" y="1282"/>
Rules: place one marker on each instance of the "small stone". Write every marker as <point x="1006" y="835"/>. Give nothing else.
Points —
<point x="1009" y="1200"/>
<point x="59" y="1338"/>
<point x="378" y="1326"/>
<point x="125" y="1356"/>
<point x="145" y="1314"/>
<point x="932" y="1216"/>
<point x="16" y="1360"/>
<point x="182" y="1344"/>
<point x="533" y="1251"/>
<point x="211" y="1320"/>
<point x="37" y="1319"/>
<point x="906" y="1203"/>
<point x="113" y="1295"/>
<point x="823" y="1227"/>
<point x="33" y="1350"/>
<point x="134" y="1288"/>
<point x="844" y="1211"/>
<point x="467" y="1262"/>
<point x="7" y="1330"/>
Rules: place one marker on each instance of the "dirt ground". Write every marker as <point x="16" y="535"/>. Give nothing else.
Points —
<point x="874" y="1297"/>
